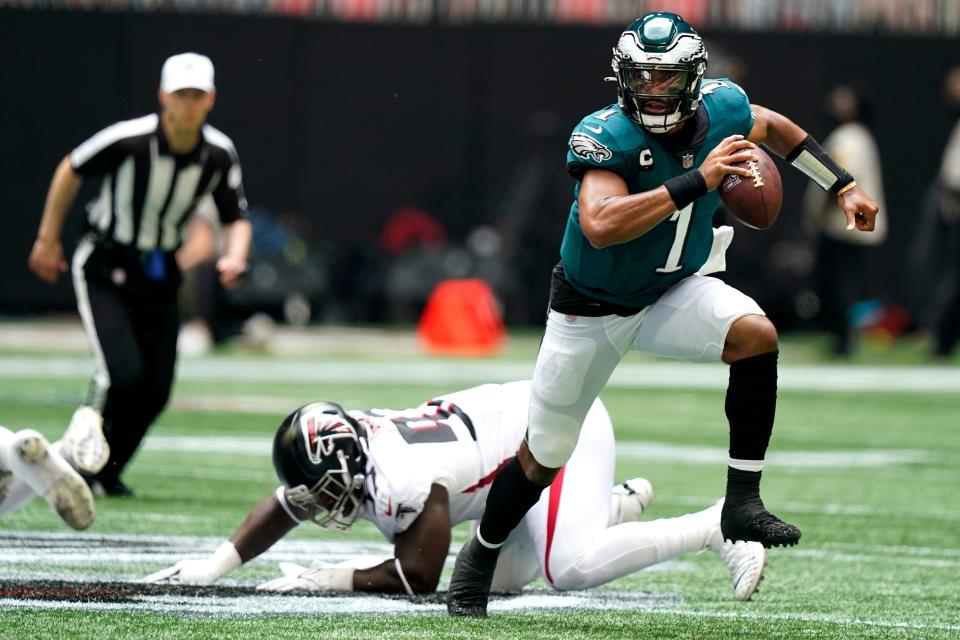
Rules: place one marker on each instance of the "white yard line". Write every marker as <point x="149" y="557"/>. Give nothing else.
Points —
<point x="810" y="617"/>
<point x="633" y="450"/>
<point x="665" y="604"/>
<point x="22" y="553"/>
<point x="452" y="373"/>
<point x="935" y="513"/>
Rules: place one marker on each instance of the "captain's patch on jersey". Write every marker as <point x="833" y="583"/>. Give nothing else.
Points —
<point x="589" y="148"/>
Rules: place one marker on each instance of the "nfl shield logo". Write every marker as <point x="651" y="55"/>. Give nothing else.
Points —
<point x="687" y="160"/>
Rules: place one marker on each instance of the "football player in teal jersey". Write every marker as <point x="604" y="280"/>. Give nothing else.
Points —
<point x="638" y="246"/>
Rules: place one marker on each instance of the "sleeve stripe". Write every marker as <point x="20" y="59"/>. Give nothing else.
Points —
<point x="111" y="135"/>
<point x="218" y="138"/>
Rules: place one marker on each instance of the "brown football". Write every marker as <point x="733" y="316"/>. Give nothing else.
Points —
<point x="754" y="201"/>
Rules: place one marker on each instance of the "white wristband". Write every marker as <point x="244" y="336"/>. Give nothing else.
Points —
<point x="225" y="558"/>
<point x="333" y="578"/>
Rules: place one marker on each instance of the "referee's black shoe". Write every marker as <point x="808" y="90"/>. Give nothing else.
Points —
<point x="109" y="487"/>
<point x="749" y="520"/>
<point x="472" y="576"/>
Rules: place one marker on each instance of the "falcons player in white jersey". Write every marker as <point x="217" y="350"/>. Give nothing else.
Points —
<point x="415" y="473"/>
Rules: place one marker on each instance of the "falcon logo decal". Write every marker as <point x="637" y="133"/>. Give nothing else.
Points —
<point x="319" y="434"/>
<point x="588" y="148"/>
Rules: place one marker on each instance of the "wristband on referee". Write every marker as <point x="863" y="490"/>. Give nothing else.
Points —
<point x="686" y="188"/>
<point x="810" y="158"/>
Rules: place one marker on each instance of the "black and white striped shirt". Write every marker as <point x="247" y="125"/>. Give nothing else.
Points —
<point x="148" y="191"/>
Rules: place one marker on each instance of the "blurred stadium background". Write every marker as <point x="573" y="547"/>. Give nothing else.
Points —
<point x="391" y="144"/>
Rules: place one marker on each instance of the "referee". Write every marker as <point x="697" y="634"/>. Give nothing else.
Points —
<point x="125" y="270"/>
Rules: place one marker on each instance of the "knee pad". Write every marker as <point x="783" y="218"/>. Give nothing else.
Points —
<point x="552" y="436"/>
<point x="562" y="368"/>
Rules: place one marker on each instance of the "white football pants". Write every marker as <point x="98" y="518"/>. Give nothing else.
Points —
<point x="565" y="537"/>
<point x="578" y="354"/>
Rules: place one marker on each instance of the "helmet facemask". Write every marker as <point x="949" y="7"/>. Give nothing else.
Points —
<point x="336" y="501"/>
<point x="659" y="64"/>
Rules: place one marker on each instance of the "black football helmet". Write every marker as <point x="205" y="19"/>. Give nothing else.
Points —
<point x="320" y="456"/>
<point x="658" y="64"/>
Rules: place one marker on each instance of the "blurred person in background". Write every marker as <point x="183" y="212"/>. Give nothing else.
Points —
<point x="633" y="276"/>
<point x="947" y="330"/>
<point x="208" y="319"/>
<point x="840" y="255"/>
<point x="125" y="273"/>
<point x="934" y="252"/>
<point x="200" y="293"/>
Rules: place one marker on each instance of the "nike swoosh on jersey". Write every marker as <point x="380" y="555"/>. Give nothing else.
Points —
<point x="595" y="130"/>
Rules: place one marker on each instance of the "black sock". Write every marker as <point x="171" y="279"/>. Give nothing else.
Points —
<point x="510" y="497"/>
<point x="751" y="405"/>
<point x="742" y="486"/>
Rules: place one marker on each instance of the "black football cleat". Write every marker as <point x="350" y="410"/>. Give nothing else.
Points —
<point x="749" y="520"/>
<point x="470" y="583"/>
<point x="109" y="487"/>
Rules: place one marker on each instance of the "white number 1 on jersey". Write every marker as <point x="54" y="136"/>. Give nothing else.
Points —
<point x="682" y="218"/>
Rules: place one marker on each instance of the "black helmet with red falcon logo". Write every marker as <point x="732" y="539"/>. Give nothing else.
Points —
<point x="320" y="454"/>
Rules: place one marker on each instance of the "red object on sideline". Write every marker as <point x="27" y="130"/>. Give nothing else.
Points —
<point x="462" y="317"/>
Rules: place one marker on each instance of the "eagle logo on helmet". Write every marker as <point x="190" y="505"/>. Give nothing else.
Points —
<point x="589" y="148"/>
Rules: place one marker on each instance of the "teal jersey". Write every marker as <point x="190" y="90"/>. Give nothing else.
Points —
<point x="636" y="273"/>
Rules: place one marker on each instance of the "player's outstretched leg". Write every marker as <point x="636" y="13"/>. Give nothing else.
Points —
<point x="83" y="444"/>
<point x="750" y="406"/>
<point x="629" y="500"/>
<point x="511" y="496"/>
<point x="30" y="458"/>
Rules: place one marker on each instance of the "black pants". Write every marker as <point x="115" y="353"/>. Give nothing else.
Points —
<point x="947" y="332"/>
<point x="131" y="324"/>
<point x="838" y="276"/>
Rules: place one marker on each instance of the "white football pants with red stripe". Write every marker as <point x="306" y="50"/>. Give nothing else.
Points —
<point x="566" y="539"/>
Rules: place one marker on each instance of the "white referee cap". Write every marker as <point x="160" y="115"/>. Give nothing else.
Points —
<point x="187" y="71"/>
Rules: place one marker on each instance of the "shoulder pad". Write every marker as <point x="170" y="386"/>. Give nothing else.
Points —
<point x="724" y="91"/>
<point x="603" y="140"/>
<point x="728" y="105"/>
<point x="609" y="127"/>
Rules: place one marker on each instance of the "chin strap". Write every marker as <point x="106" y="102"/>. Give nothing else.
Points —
<point x="810" y="158"/>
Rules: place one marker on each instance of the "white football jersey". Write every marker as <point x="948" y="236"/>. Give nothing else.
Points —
<point x="458" y="441"/>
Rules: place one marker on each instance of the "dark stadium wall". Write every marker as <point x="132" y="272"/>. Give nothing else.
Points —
<point x="340" y="124"/>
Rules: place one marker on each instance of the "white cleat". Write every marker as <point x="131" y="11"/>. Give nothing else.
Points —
<point x="745" y="561"/>
<point x="83" y="444"/>
<point x="629" y="500"/>
<point x="68" y="493"/>
<point x="6" y="478"/>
